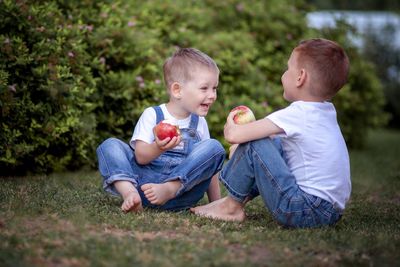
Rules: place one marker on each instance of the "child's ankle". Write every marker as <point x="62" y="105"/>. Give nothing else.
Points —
<point x="175" y="184"/>
<point x="232" y="203"/>
<point x="129" y="193"/>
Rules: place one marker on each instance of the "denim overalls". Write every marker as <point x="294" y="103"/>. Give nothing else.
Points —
<point x="167" y="161"/>
<point x="193" y="164"/>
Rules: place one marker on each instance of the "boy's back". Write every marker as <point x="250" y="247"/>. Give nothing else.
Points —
<point x="315" y="150"/>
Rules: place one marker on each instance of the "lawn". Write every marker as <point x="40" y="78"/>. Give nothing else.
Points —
<point x="66" y="220"/>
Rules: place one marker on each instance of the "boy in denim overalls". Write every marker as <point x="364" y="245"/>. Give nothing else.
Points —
<point x="170" y="174"/>
<point x="295" y="158"/>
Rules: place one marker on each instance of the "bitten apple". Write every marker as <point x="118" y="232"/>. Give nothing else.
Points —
<point x="244" y="115"/>
<point x="166" y="129"/>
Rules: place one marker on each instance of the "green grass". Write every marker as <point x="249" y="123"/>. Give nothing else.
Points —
<point x="66" y="220"/>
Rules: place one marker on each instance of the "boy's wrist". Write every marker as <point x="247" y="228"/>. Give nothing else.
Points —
<point x="161" y="149"/>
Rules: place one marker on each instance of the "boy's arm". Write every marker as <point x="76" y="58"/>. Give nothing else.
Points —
<point x="145" y="152"/>
<point x="213" y="191"/>
<point x="237" y="134"/>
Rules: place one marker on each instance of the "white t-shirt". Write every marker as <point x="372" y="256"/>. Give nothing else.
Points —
<point x="315" y="150"/>
<point x="144" y="127"/>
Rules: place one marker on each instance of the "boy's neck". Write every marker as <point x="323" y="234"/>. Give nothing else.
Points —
<point x="306" y="96"/>
<point x="312" y="99"/>
<point x="176" y="111"/>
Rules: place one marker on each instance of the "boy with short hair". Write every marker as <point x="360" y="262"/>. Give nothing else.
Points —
<point x="303" y="174"/>
<point x="174" y="173"/>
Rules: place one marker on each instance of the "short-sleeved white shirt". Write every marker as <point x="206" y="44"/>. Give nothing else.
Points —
<point x="144" y="127"/>
<point x="315" y="150"/>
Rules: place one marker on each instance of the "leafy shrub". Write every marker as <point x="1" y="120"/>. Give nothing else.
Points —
<point x="45" y="86"/>
<point x="75" y="72"/>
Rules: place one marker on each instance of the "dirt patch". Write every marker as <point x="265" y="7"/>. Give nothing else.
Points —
<point x="149" y="236"/>
<point x="109" y="230"/>
<point x="378" y="198"/>
<point x="59" y="262"/>
<point x="257" y="254"/>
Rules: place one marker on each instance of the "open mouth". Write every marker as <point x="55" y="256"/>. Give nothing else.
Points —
<point x="205" y="105"/>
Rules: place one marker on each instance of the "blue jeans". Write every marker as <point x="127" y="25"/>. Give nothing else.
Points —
<point x="258" y="167"/>
<point x="194" y="170"/>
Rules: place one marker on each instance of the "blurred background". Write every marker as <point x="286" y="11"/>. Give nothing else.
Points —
<point x="73" y="73"/>
<point x="377" y="36"/>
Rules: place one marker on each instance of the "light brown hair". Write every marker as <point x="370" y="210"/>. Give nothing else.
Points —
<point x="327" y="61"/>
<point x="181" y="65"/>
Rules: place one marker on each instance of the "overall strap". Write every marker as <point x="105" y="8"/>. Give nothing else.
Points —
<point x="159" y="114"/>
<point x="194" y="121"/>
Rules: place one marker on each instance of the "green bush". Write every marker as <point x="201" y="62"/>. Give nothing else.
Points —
<point x="73" y="73"/>
<point x="45" y="89"/>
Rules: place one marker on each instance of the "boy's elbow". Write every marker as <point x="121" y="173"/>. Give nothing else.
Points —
<point x="230" y="138"/>
<point x="140" y="159"/>
<point x="140" y="162"/>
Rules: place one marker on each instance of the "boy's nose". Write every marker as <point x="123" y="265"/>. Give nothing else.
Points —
<point x="212" y="95"/>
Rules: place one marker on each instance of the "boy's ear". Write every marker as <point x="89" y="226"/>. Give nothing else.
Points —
<point x="176" y="90"/>
<point x="301" y="78"/>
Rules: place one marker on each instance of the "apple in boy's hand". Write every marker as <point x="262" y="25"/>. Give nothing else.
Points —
<point x="244" y="115"/>
<point x="166" y="129"/>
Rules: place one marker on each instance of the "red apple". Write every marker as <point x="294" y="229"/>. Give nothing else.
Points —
<point x="166" y="129"/>
<point x="244" y="115"/>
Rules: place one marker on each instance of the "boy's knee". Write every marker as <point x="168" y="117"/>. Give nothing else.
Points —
<point x="264" y="144"/>
<point x="109" y="144"/>
<point x="214" y="145"/>
<point x="112" y="141"/>
<point x="215" y="148"/>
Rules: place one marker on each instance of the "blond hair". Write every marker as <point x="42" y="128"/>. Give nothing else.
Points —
<point x="181" y="65"/>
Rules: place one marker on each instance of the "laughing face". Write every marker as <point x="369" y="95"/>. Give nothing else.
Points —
<point x="200" y="92"/>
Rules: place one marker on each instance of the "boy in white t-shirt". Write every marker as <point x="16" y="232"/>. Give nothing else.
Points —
<point x="295" y="158"/>
<point x="169" y="174"/>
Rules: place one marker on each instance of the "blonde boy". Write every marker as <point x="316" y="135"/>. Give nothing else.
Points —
<point x="170" y="174"/>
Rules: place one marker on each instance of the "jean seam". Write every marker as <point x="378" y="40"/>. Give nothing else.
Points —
<point x="122" y="173"/>
<point x="233" y="192"/>
<point x="271" y="177"/>
<point x="215" y="155"/>
<point x="105" y="162"/>
<point x="111" y="180"/>
<point x="319" y="207"/>
<point x="184" y="179"/>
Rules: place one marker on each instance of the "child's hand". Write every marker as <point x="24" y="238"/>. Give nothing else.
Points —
<point x="167" y="143"/>
<point x="230" y="125"/>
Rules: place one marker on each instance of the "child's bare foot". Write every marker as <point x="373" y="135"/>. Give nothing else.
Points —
<point x="132" y="202"/>
<point x="159" y="194"/>
<point x="226" y="209"/>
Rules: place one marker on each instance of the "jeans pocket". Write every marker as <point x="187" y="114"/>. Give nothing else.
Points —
<point x="313" y="201"/>
<point x="296" y="219"/>
<point x="167" y="163"/>
<point x="309" y="219"/>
